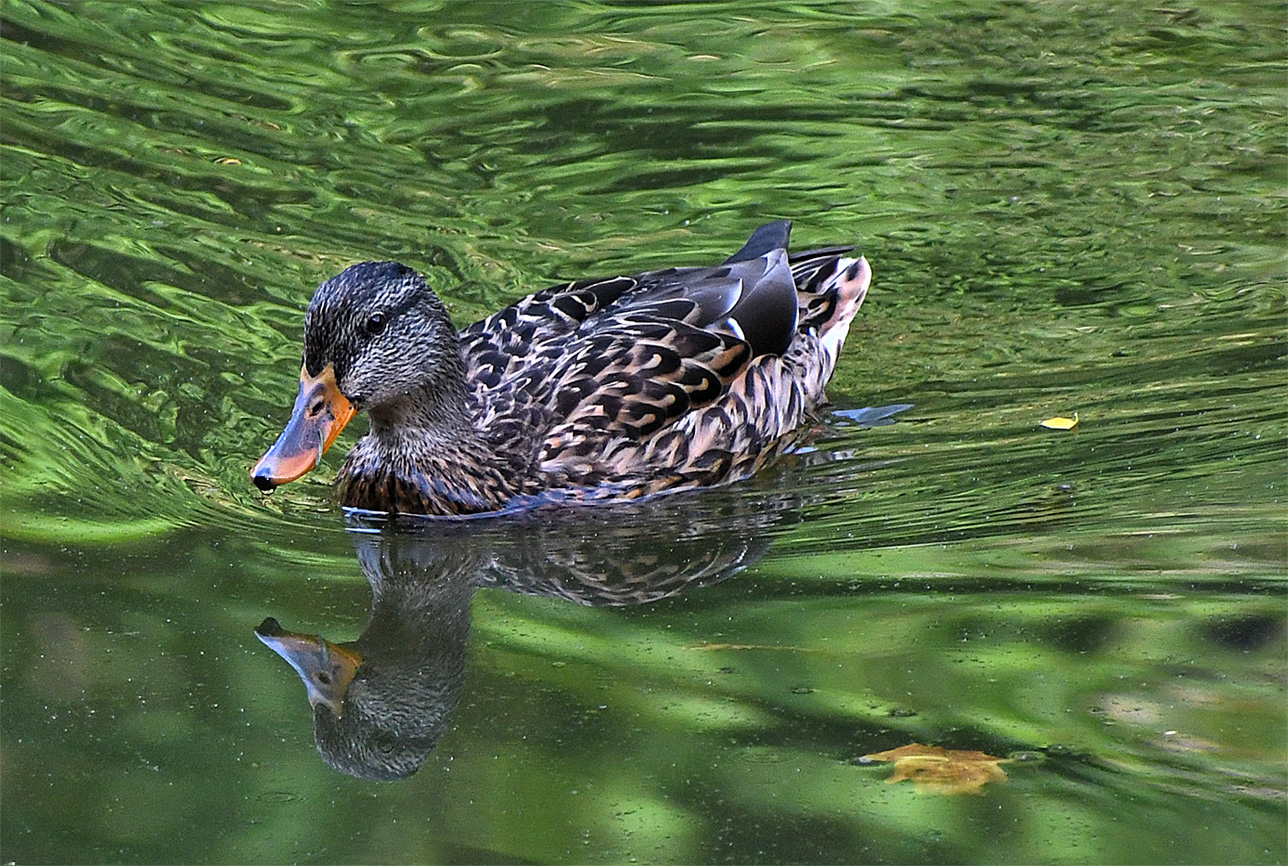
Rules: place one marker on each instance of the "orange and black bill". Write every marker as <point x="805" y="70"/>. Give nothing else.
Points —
<point x="320" y="413"/>
<point x="326" y="668"/>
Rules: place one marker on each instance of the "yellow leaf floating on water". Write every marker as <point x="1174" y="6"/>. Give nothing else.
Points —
<point x="1058" y="423"/>
<point x="935" y="770"/>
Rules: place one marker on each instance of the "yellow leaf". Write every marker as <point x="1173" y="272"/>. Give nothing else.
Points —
<point x="228" y="160"/>
<point x="936" y="770"/>
<point x="1058" y="423"/>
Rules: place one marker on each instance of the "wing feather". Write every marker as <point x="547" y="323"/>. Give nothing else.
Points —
<point x="702" y="370"/>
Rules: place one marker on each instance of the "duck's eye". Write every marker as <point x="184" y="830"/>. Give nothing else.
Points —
<point x="376" y="323"/>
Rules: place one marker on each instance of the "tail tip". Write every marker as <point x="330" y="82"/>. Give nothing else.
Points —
<point x="853" y="285"/>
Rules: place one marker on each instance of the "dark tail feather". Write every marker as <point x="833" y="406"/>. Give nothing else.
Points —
<point x="766" y="312"/>
<point x="765" y="239"/>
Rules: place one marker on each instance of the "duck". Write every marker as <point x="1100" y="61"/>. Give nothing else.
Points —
<point x="597" y="390"/>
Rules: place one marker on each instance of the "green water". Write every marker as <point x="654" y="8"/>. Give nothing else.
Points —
<point x="1068" y="209"/>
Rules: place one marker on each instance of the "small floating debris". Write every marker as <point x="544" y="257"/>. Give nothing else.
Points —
<point x="935" y="770"/>
<point x="874" y="416"/>
<point x="1059" y="423"/>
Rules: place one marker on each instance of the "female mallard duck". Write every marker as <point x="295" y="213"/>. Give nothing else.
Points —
<point x="596" y="390"/>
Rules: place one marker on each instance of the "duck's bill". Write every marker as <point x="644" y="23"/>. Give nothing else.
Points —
<point x="326" y="668"/>
<point x="320" y="413"/>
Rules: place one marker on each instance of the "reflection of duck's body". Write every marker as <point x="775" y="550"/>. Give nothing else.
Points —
<point x="381" y="702"/>
<point x="595" y="390"/>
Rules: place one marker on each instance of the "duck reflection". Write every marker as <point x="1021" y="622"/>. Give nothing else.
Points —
<point x="381" y="702"/>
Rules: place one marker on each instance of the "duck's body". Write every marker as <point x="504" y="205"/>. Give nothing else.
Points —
<point x="595" y="390"/>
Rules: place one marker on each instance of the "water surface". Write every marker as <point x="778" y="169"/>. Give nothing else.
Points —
<point x="1068" y="208"/>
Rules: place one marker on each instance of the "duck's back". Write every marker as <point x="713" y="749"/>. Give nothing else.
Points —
<point x="627" y="386"/>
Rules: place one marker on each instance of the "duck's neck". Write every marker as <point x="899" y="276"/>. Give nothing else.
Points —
<point x="423" y="423"/>
<point x="424" y="455"/>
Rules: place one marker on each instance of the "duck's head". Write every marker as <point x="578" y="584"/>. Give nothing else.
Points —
<point x="376" y="339"/>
